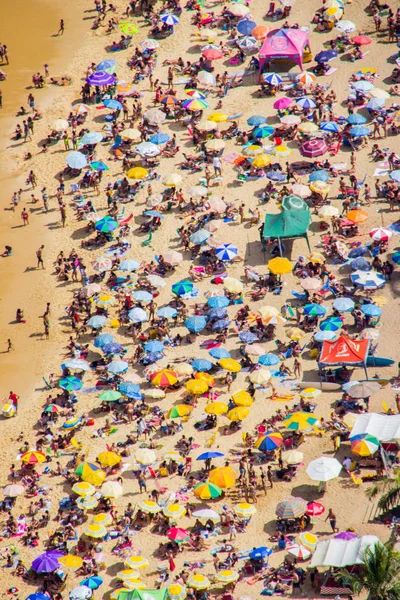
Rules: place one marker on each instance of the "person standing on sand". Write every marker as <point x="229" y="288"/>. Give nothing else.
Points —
<point x="9" y="345"/>
<point x="39" y="255"/>
<point x="1" y="99"/>
<point x="25" y="217"/>
<point x="62" y="28"/>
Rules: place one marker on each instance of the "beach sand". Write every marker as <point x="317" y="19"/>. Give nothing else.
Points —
<point x="25" y="287"/>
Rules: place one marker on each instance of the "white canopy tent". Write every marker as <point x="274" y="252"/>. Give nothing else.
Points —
<point x="342" y="553"/>
<point x="385" y="428"/>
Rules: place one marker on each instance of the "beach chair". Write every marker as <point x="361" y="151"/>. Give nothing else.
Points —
<point x="121" y="214"/>
<point x="148" y="241"/>
<point x="355" y="479"/>
<point x="299" y="295"/>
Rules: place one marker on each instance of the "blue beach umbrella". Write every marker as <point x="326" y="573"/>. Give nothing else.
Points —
<point x="358" y="251"/>
<point x="247" y="337"/>
<point x="343" y="304"/>
<point x="98" y="165"/>
<point x="361" y="264"/>
<point x="272" y="79"/>
<point x="113" y="104"/>
<point x="396" y="258"/>
<point x="210" y="454"/>
<point x="142" y="296"/>
<point x="330" y="126"/>
<point x="218" y="302"/>
<point x="77" y="364"/>
<point x="363" y="86"/>
<point x="371" y="310"/>
<point x="152" y="357"/>
<point x="263" y="132"/>
<point x="202" y="364"/>
<point x="97" y="322"/>
<point x="306" y="102"/>
<point x="359" y="131"/>
<point x="395" y="175"/>
<point x="256" y="121"/>
<point x="324" y="336"/>
<point x="112" y="348"/>
<point x="167" y="312"/>
<point x="318" y="175"/>
<point x="76" y="160"/>
<point x="126" y="388"/>
<point x="315" y="310"/>
<point x="195" y="324"/>
<point x="103" y="339"/>
<point x="260" y="553"/>
<point x="268" y="360"/>
<point x="199" y="237"/>
<point x="107" y="65"/>
<point x="182" y="287"/>
<point x="368" y="279"/>
<point x="153" y="213"/>
<point x="93" y="582"/>
<point x="138" y="315"/>
<point x="226" y="252"/>
<point x="154" y="346"/>
<point x="71" y="384"/>
<point x="219" y="353"/>
<point x="220" y="324"/>
<point x="169" y="19"/>
<point x="128" y="265"/>
<point x="325" y="56"/>
<point x="217" y="313"/>
<point x="92" y="137"/>
<point x="106" y="224"/>
<point x="356" y="119"/>
<point x="159" y="138"/>
<point x="245" y="27"/>
<point x="117" y="366"/>
<point x="331" y="324"/>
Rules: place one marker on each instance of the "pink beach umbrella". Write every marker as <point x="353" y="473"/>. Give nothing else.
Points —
<point x="282" y="103"/>
<point x="312" y="148"/>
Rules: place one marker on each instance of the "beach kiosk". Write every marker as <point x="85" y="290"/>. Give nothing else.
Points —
<point x="287" y="44"/>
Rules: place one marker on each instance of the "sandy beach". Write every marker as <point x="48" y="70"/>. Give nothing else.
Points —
<point x="29" y="288"/>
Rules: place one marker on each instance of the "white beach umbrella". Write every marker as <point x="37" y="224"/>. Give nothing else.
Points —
<point x="324" y="468"/>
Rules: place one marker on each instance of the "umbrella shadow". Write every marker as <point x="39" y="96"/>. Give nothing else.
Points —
<point x="306" y="491"/>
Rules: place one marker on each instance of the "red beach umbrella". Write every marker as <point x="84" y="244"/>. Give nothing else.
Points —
<point x="313" y="148"/>
<point x="361" y="40"/>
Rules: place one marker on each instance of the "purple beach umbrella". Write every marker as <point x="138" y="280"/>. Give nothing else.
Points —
<point x="47" y="562"/>
<point x="101" y="78"/>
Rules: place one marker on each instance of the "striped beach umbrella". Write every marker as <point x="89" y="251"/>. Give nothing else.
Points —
<point x="207" y="491"/>
<point x="244" y="509"/>
<point x="269" y="442"/>
<point x="291" y="508"/>
<point x="95" y="531"/>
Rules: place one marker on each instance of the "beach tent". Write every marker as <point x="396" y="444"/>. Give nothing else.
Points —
<point x="344" y="351"/>
<point x="284" y="43"/>
<point x="143" y="595"/>
<point x="287" y="224"/>
<point x="385" y="428"/>
<point x="342" y="553"/>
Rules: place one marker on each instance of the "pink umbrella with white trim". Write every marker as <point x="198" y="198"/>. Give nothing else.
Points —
<point x="381" y="234"/>
<point x="312" y="148"/>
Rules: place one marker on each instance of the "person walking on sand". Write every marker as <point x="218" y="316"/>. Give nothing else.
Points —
<point x="62" y="28"/>
<point x="9" y="345"/>
<point x="297" y="368"/>
<point x="332" y="520"/>
<point x="39" y="255"/>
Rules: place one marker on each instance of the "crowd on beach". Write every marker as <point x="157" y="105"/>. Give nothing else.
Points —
<point x="179" y="347"/>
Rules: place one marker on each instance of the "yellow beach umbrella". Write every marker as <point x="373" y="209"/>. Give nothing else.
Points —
<point x="309" y="540"/>
<point x="320" y="187"/>
<point x="109" y="459"/>
<point x="227" y="576"/>
<point x="95" y="531"/>
<point x="244" y="509"/>
<point x="261" y="376"/>
<point x="115" y="594"/>
<point x="205" y="377"/>
<point x="232" y="285"/>
<point x="310" y="393"/>
<point x="71" y="561"/>
<point x="137" y="173"/>
<point x="216" y="408"/>
<point x="105" y="300"/>
<point x="91" y="473"/>
<point x="128" y="574"/>
<point x="218" y="117"/>
<point x="280" y="266"/>
<point x="87" y="502"/>
<point x="282" y="150"/>
<point x="223" y="477"/>
<point x="130" y="134"/>
<point x="180" y="410"/>
<point x="231" y="365"/>
<point x="102" y="519"/>
<point x="238" y="414"/>
<point x="238" y="10"/>
<point x="137" y="562"/>
<point x="145" y="456"/>
<point x="174" y="511"/>
<point x="149" y="506"/>
<point x="253" y="150"/>
<point x="295" y="333"/>
<point x="308" y="127"/>
<point x="242" y="398"/>
<point x="134" y="584"/>
<point x="172" y="180"/>
<point x="276" y="320"/>
<point x="268" y="311"/>
<point x="316" y="258"/>
<point x="176" y="591"/>
<point x="261" y="161"/>
<point x="33" y="457"/>
<point x="196" y="386"/>
<point x="198" y="581"/>
<point x="83" y="489"/>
